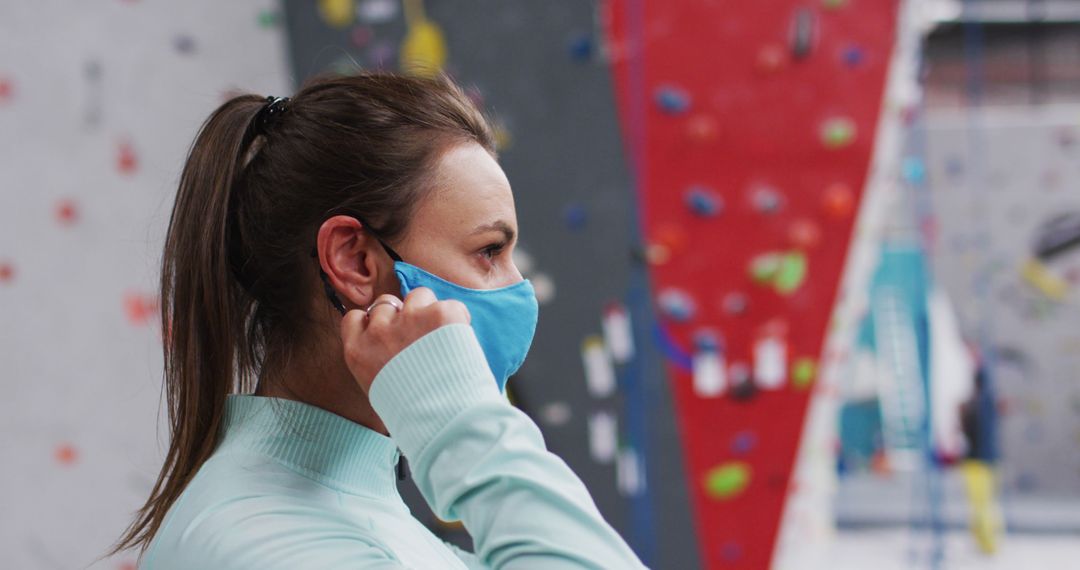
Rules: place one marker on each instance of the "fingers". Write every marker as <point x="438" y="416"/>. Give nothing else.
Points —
<point x="383" y="310"/>
<point x="419" y="298"/>
<point x="454" y="311"/>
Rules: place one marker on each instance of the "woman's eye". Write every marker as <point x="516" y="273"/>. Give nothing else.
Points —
<point x="492" y="250"/>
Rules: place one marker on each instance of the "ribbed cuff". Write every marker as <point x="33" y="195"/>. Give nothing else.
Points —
<point x="429" y="383"/>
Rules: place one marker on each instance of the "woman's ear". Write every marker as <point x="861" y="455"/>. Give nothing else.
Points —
<point x="349" y="257"/>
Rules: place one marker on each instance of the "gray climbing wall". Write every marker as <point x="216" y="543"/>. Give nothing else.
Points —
<point x="538" y="69"/>
<point x="997" y="178"/>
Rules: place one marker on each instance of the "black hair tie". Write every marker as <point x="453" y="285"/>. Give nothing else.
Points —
<point x="274" y="108"/>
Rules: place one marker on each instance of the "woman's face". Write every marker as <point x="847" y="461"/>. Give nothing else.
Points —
<point x="465" y="229"/>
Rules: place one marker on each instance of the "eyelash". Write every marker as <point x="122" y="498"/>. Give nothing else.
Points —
<point x="492" y="250"/>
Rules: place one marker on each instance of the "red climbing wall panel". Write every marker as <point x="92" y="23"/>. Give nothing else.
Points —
<point x="751" y="125"/>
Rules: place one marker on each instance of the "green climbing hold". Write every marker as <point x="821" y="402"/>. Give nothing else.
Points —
<point x="791" y="274"/>
<point x="834" y="4"/>
<point x="727" y="480"/>
<point x="764" y="268"/>
<point x="803" y="372"/>
<point x="838" y="132"/>
<point x="268" y="19"/>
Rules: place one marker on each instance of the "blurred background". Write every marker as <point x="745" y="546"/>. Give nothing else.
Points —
<point x="809" y="270"/>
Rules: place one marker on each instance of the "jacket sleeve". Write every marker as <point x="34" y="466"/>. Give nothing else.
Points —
<point x="478" y="459"/>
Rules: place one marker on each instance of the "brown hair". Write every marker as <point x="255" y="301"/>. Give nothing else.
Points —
<point x="236" y="273"/>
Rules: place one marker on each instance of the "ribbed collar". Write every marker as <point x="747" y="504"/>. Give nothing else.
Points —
<point x="335" y="451"/>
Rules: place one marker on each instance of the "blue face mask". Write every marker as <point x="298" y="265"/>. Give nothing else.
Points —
<point x="504" y="319"/>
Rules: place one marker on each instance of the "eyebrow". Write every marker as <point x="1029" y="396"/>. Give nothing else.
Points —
<point x="499" y="226"/>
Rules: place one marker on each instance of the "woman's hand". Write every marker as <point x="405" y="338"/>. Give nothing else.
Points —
<point x="373" y="337"/>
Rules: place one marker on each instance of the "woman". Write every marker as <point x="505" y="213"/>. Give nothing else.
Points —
<point x="273" y="276"/>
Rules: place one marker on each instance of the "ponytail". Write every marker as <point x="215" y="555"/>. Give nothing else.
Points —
<point x="202" y="308"/>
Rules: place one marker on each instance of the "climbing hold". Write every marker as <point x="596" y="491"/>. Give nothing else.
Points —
<point x="853" y="56"/>
<point x="766" y="200"/>
<point x="834" y="4"/>
<point x="770" y="356"/>
<point x="804" y="233"/>
<point x="140" y="307"/>
<point x="704" y="201"/>
<point x="672" y="100"/>
<point x="575" y="216"/>
<point x="837" y="132"/>
<point x="581" y="47"/>
<point x="709" y="367"/>
<point x="503" y="139"/>
<point x="676" y="304"/>
<point x="1039" y="276"/>
<point x="126" y="161"/>
<point x="544" y="286"/>
<point x="701" y="128"/>
<point x="914" y="171"/>
<point x="743" y="442"/>
<point x="523" y="260"/>
<point x="792" y="273"/>
<point x="742" y="382"/>
<point x="603" y="438"/>
<point x="184" y="44"/>
<point x="618" y="333"/>
<point x="803" y="372"/>
<point x="66" y="454"/>
<point x="673" y="236"/>
<point x="556" y="414"/>
<point x="599" y="373"/>
<point x="764" y="267"/>
<point x="727" y="480"/>
<point x="628" y="477"/>
<point x="657" y="254"/>
<point x="735" y="303"/>
<point x="337" y="13"/>
<point x="839" y="201"/>
<point x="7" y="87"/>
<point x="803" y="33"/>
<point x="268" y="18"/>
<point x="423" y="52"/>
<point x="7" y="272"/>
<point x="377" y="11"/>
<point x="361" y="36"/>
<point x="771" y="58"/>
<point x="67" y="212"/>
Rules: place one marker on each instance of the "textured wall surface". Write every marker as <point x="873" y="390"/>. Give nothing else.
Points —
<point x="98" y="104"/>
<point x="998" y="178"/>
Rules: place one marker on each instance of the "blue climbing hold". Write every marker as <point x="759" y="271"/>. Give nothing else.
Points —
<point x="581" y="48"/>
<point x="707" y="340"/>
<point x="672" y="100"/>
<point x="743" y="442"/>
<point x="676" y="305"/>
<point x="704" y="201"/>
<point x="853" y="56"/>
<point x="575" y="216"/>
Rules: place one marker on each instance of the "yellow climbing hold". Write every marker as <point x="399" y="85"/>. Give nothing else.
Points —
<point x="337" y="13"/>
<point x="803" y="372"/>
<point x="423" y="51"/>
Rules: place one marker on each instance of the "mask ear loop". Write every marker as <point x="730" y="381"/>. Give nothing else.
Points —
<point x="328" y="289"/>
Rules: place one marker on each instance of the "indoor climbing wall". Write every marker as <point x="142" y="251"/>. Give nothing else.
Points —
<point x="98" y="104"/>
<point x="750" y="133"/>
<point x="1004" y="195"/>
